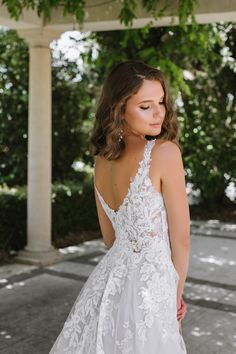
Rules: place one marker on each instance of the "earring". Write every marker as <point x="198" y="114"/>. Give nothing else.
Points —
<point x="120" y="135"/>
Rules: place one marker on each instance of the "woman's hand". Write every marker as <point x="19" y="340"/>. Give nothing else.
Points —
<point x="182" y="309"/>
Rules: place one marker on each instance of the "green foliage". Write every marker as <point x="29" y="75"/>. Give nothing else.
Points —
<point x="127" y="14"/>
<point x="73" y="211"/>
<point x="71" y="116"/>
<point x="72" y="108"/>
<point x="13" y="108"/>
<point x="13" y="218"/>
<point x="44" y="8"/>
<point x="157" y="47"/>
<point x="209" y="123"/>
<point x="74" y="206"/>
<point x="186" y="8"/>
<point x="77" y="8"/>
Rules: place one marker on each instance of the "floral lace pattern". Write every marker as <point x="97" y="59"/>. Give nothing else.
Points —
<point x="128" y="304"/>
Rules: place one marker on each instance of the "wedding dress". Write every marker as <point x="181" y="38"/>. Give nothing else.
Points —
<point x="128" y="304"/>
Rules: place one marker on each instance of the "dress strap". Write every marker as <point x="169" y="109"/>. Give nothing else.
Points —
<point x="147" y="157"/>
<point x="106" y="208"/>
<point x="143" y="170"/>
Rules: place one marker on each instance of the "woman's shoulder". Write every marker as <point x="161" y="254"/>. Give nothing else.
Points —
<point x="166" y="153"/>
<point x="167" y="147"/>
<point x="100" y="159"/>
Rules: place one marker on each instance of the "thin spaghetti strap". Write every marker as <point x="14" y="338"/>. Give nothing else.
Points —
<point x="94" y="166"/>
<point x="94" y="183"/>
<point x="106" y="208"/>
<point x="94" y="175"/>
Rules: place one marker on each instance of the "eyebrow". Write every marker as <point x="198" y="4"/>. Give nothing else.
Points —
<point x="149" y="100"/>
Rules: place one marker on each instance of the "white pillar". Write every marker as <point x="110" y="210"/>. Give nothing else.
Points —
<point x="39" y="249"/>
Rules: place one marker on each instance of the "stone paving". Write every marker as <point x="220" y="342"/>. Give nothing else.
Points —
<point x="35" y="301"/>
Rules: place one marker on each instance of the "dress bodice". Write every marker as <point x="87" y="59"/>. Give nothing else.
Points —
<point x="141" y="217"/>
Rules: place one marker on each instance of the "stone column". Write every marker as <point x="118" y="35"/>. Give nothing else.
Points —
<point x="39" y="249"/>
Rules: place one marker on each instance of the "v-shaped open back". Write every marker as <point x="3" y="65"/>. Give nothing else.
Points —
<point x="132" y="179"/>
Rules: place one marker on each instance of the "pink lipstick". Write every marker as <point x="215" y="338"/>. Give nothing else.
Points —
<point x="155" y="125"/>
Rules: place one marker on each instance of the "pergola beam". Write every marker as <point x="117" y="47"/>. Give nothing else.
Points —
<point x="100" y="16"/>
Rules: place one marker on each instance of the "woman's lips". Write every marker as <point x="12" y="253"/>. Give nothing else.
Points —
<point x="155" y="125"/>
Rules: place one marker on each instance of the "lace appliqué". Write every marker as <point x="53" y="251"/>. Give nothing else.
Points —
<point x="133" y="289"/>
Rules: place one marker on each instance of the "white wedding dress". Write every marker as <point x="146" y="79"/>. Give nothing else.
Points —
<point x="128" y="303"/>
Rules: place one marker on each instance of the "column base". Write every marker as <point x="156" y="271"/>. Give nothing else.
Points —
<point x="39" y="258"/>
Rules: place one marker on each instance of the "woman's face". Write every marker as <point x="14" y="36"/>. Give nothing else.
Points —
<point x="144" y="109"/>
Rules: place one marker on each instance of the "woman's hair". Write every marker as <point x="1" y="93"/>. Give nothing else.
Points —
<point x="125" y="80"/>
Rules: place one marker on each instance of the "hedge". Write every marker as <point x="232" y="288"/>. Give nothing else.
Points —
<point x="73" y="212"/>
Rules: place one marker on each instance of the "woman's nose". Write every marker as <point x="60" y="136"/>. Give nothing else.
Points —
<point x="157" y="111"/>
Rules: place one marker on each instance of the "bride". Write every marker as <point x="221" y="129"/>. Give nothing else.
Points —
<point x="132" y="301"/>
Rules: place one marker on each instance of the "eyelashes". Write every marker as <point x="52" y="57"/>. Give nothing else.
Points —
<point x="145" y="108"/>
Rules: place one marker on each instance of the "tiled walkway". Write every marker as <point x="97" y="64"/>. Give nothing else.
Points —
<point x="34" y="302"/>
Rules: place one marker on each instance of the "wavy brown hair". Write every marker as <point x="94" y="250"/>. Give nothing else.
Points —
<point x="124" y="80"/>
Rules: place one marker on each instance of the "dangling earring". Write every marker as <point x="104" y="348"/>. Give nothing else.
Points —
<point x="120" y="135"/>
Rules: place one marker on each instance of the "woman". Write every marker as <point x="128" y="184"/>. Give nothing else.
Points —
<point x="132" y="301"/>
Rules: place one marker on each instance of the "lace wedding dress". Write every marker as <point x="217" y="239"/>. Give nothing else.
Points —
<point x="128" y="303"/>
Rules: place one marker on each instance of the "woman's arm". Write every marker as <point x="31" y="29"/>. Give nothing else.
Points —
<point x="176" y="202"/>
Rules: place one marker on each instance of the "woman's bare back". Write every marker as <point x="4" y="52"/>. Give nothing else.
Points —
<point x="113" y="177"/>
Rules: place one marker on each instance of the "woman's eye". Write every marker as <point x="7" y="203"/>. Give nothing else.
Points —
<point x="142" y="107"/>
<point x="162" y="102"/>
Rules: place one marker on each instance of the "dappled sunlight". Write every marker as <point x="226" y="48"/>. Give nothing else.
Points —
<point x="230" y="297"/>
<point x="204" y="291"/>
<point x="96" y="259"/>
<point x="4" y="284"/>
<point x="4" y="335"/>
<point x="219" y="343"/>
<point x="72" y="250"/>
<point x="197" y="332"/>
<point x="210" y="290"/>
<point x="14" y="269"/>
<point x="14" y="285"/>
<point x="83" y="248"/>
<point x="210" y="331"/>
<point x="224" y="248"/>
<point x="214" y="261"/>
<point x="219" y="261"/>
<point x="211" y="225"/>
<point x="229" y="227"/>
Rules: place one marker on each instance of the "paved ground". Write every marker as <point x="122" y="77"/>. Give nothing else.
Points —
<point x="34" y="302"/>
